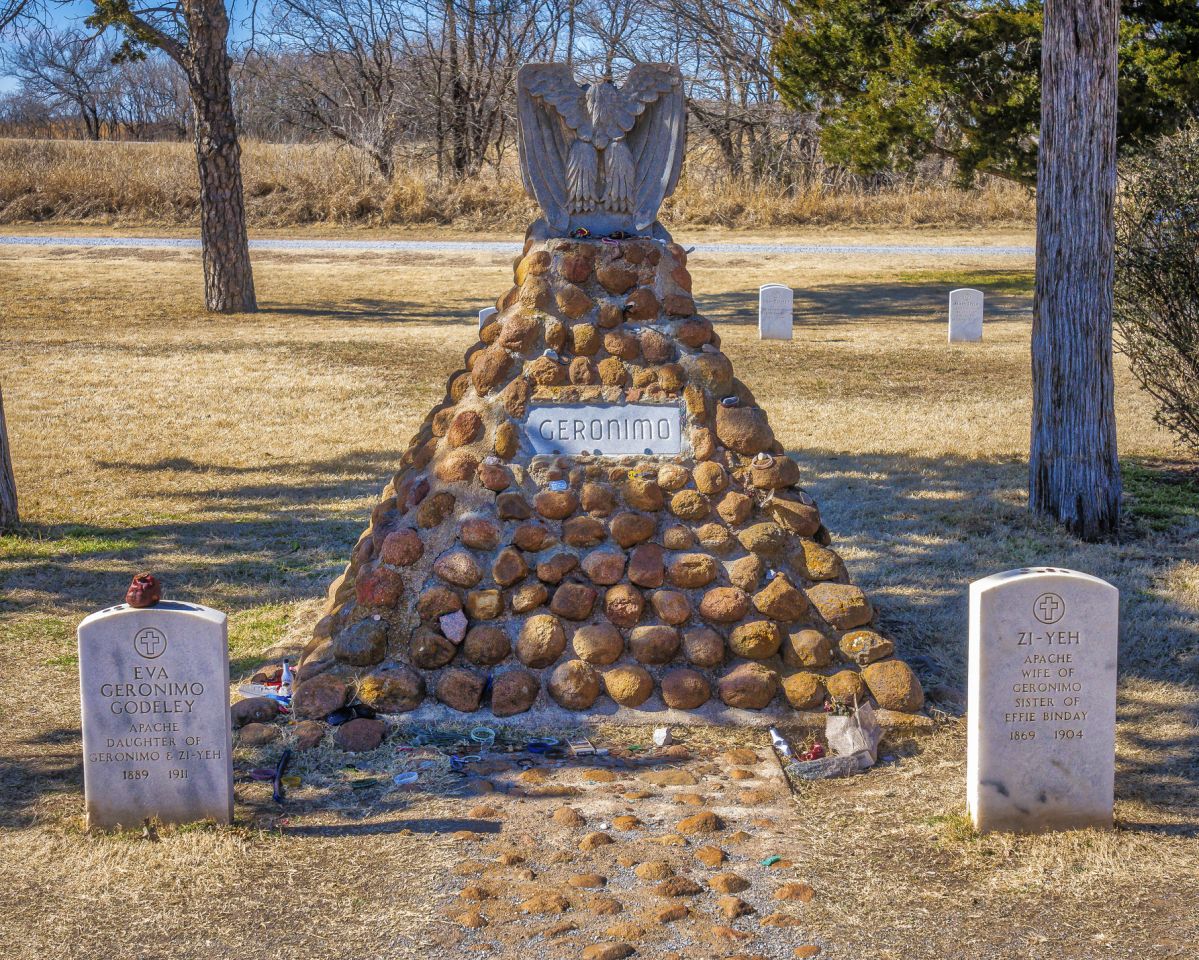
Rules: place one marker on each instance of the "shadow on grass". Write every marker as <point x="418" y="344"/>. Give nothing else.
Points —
<point x="375" y="828"/>
<point x="251" y="543"/>
<point x="448" y="310"/>
<point x="855" y="303"/>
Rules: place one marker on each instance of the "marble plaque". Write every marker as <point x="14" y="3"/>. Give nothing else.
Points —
<point x="1041" y="727"/>
<point x="776" y="308"/>
<point x="965" y="315"/>
<point x="605" y="430"/>
<point x="154" y="684"/>
<point x="486" y="314"/>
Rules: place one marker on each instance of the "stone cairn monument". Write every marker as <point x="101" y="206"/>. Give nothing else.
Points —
<point x="598" y="514"/>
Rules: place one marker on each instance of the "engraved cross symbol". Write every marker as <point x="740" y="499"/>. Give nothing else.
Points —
<point x="1049" y="608"/>
<point x="150" y="643"/>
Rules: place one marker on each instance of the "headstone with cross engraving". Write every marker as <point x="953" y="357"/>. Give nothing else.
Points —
<point x="965" y="315"/>
<point x="154" y="684"/>
<point x="1041" y="723"/>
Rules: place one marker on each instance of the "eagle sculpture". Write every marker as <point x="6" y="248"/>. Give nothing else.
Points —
<point x="598" y="157"/>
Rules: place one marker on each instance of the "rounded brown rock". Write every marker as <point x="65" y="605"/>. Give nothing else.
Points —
<point x="574" y="684"/>
<point x="623" y="605"/>
<point x="513" y="692"/>
<point x="479" y="533"/>
<point x="533" y="537"/>
<point x="457" y="466"/>
<point x="598" y="499"/>
<point x="655" y="347"/>
<point x="401" y="548"/>
<point x="671" y="606"/>
<point x="743" y="429"/>
<point x="646" y="566"/>
<point x="804" y="691"/>
<point x="489" y="369"/>
<point x="793" y="514"/>
<point x="486" y="645"/>
<point x="393" y="689"/>
<point x="628" y="528"/>
<point x="842" y="605"/>
<point x="748" y="686"/>
<point x="318" y="697"/>
<point x="541" y="641"/>
<point x="765" y="539"/>
<point x="807" y="647"/>
<point x="507" y="440"/>
<point x="774" y="474"/>
<point x="494" y="476"/>
<point x="604" y="567"/>
<point x="724" y="604"/>
<point x="710" y="478"/>
<point x="582" y="371"/>
<point x="458" y="568"/>
<point x="429" y="650"/>
<point x="678" y="537"/>
<point x="629" y="685"/>
<point x="553" y="569"/>
<point x="556" y="504"/>
<point x="781" y="600"/>
<point x="616" y="277"/>
<point x="512" y="506"/>
<point x="643" y="494"/>
<point x="894" y="686"/>
<point x="583" y="532"/>
<point x="584" y="339"/>
<point x="573" y="601"/>
<point x="690" y="505"/>
<point x="846" y="686"/>
<point x="436" y="602"/>
<point x="865" y="646"/>
<point x="467" y="427"/>
<point x="691" y="570"/>
<point x="572" y="301"/>
<point x="484" y="604"/>
<point x="684" y="689"/>
<point x="673" y="476"/>
<point x="703" y="647"/>
<point x="612" y="372"/>
<point x="599" y="643"/>
<point x="528" y="596"/>
<point x="509" y="567"/>
<point x="461" y="690"/>
<point x="655" y="644"/>
<point x="756" y="639"/>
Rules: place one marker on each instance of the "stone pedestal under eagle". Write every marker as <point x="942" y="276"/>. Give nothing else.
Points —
<point x="600" y="157"/>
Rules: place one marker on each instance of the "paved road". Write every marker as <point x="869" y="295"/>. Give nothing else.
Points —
<point x="503" y="246"/>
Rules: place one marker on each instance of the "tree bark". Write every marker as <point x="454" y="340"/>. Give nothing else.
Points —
<point x="8" y="482"/>
<point x="228" y="278"/>
<point x="1074" y="474"/>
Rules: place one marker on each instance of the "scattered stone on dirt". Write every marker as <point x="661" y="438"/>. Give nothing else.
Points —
<point x="781" y="920"/>
<point x="543" y="903"/>
<point x="309" y="734"/>
<point x="627" y="822"/>
<point x="710" y="856"/>
<point x="475" y="892"/>
<point x="678" y="887"/>
<point x="253" y="710"/>
<point x="595" y="839"/>
<point x="257" y="735"/>
<point x="654" y="870"/>
<point x="728" y="883"/>
<point x="608" y="951"/>
<point x="472" y="918"/>
<point x="733" y="907"/>
<point x="360" y="734"/>
<point x="605" y="906"/>
<point x="568" y="817"/>
<point x="807" y="950"/>
<point x="587" y="881"/>
<point x="669" y="778"/>
<point x="794" y="890"/>
<point x="705" y="822"/>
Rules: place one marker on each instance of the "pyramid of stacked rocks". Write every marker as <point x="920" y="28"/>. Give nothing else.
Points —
<point x="494" y="577"/>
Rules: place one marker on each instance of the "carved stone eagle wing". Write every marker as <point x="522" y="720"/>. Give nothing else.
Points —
<point x="553" y="115"/>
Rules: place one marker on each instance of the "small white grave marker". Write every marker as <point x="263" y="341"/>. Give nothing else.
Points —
<point x="1041" y="722"/>
<point x="486" y="314"/>
<point x="965" y="315"/>
<point x="156" y="736"/>
<point x="776" y="306"/>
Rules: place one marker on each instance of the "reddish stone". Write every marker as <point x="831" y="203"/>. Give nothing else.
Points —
<point x="533" y="537"/>
<point x="402" y="548"/>
<point x="556" y="567"/>
<point x="604" y="567"/>
<point x="556" y="504"/>
<point x="646" y="566"/>
<point x="654" y="644"/>
<point x="458" y="568"/>
<point x="573" y="601"/>
<point x="479" y="533"/>
<point x="380" y="588"/>
<point x="623" y="605"/>
<point x="460" y="690"/>
<point x="691" y="570"/>
<point x="513" y="692"/>
<point x="583" y="532"/>
<point x="360" y="734"/>
<point x="724" y="604"/>
<point x="629" y="528"/>
<point x="466" y="428"/>
<point x="509" y="567"/>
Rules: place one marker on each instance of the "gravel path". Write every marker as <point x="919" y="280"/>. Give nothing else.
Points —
<point x="503" y="246"/>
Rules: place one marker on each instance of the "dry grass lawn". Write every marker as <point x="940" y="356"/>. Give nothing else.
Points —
<point x="239" y="457"/>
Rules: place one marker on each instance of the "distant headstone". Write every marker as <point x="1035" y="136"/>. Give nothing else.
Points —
<point x="486" y="314"/>
<point x="1041" y="724"/>
<point x="776" y="304"/>
<point x="965" y="315"/>
<point x="156" y="736"/>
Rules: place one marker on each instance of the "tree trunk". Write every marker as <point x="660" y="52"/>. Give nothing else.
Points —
<point x="1074" y="475"/>
<point x="228" y="279"/>
<point x="8" y="482"/>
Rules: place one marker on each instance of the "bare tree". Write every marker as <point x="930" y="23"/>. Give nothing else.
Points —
<point x="8" y="482"/>
<point x="1074" y="474"/>
<point x="10" y="12"/>
<point x="67" y="70"/>
<point x="194" y="34"/>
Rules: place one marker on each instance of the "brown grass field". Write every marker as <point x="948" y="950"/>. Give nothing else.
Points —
<point x="239" y="457"/>
<point x="293" y="185"/>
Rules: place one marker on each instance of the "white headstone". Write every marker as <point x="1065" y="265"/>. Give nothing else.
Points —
<point x="776" y="304"/>
<point x="965" y="315"/>
<point x="156" y="735"/>
<point x="486" y="314"/>
<point x="1041" y="719"/>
